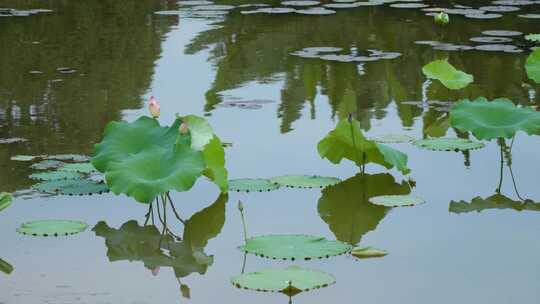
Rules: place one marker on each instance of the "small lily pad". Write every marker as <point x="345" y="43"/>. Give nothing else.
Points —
<point x="316" y="11"/>
<point x="502" y="33"/>
<point x="368" y="252"/>
<point x="78" y="158"/>
<point x="392" y="138"/>
<point x="294" y="247"/>
<point x="290" y="280"/>
<point x="86" y="168"/>
<point x="483" y="16"/>
<point x="52" y="228"/>
<point x="533" y="37"/>
<point x="12" y="140"/>
<point x="305" y="181"/>
<point x="47" y="165"/>
<point x="300" y="3"/>
<point x="409" y="5"/>
<point x="72" y="187"/>
<point x="396" y="200"/>
<point x="23" y="158"/>
<point x="448" y="144"/>
<point x="252" y="185"/>
<point x="447" y="74"/>
<point x="5" y="200"/>
<point x="490" y="39"/>
<point x="530" y="16"/>
<point x="55" y="175"/>
<point x="499" y="8"/>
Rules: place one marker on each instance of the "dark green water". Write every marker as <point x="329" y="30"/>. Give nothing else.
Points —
<point x="122" y="53"/>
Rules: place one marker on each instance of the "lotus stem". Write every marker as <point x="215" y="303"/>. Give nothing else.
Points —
<point x="241" y="208"/>
<point x="501" y="172"/>
<point x="148" y="214"/>
<point x="514" y="183"/>
<point x="244" y="263"/>
<point x="174" y="209"/>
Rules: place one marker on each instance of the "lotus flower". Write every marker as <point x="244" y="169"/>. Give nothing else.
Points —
<point x="154" y="107"/>
<point x="155" y="271"/>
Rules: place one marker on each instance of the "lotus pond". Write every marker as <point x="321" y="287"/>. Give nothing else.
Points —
<point x="272" y="152"/>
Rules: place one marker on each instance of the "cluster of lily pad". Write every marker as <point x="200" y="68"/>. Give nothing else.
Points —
<point x="490" y="41"/>
<point x="338" y="54"/>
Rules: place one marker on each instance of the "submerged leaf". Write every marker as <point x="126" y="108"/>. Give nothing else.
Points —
<point x="495" y="119"/>
<point x="368" y="252"/>
<point x="252" y="185"/>
<point x="290" y="280"/>
<point x="72" y="187"/>
<point x="5" y="200"/>
<point x="52" y="228"/>
<point x="396" y="200"/>
<point x="447" y="74"/>
<point x="345" y="207"/>
<point x="305" y="181"/>
<point x="532" y="65"/>
<point x="294" y="247"/>
<point x="448" y="144"/>
<point x="347" y="141"/>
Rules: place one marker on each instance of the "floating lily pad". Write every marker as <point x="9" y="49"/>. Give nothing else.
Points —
<point x="491" y="39"/>
<point x="452" y="47"/>
<point x="47" y="165"/>
<point x="368" y="252"/>
<point x="448" y="144"/>
<point x="447" y="74"/>
<point x="294" y="247"/>
<point x="78" y="158"/>
<point x="215" y="7"/>
<point x="55" y="175"/>
<point x="502" y="33"/>
<point x="498" y="48"/>
<point x="499" y="9"/>
<point x="392" y="138"/>
<point x="271" y="10"/>
<point x="495" y="119"/>
<point x="86" y="168"/>
<point x="194" y="2"/>
<point x="52" y="228"/>
<point x="23" y="158"/>
<point x="168" y="13"/>
<point x="483" y="16"/>
<point x="396" y="200"/>
<point x="252" y="185"/>
<point x="409" y="5"/>
<point x="305" y="181"/>
<point x="5" y="200"/>
<point x="316" y="11"/>
<point x="72" y="187"/>
<point x="533" y="37"/>
<point x="513" y="2"/>
<point x="300" y="3"/>
<point x="12" y="140"/>
<point x="532" y="66"/>
<point x="291" y="280"/>
<point x="530" y="16"/>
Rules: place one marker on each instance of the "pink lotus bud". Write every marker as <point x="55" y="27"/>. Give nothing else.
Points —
<point x="154" y="107"/>
<point x="183" y="129"/>
<point x="155" y="271"/>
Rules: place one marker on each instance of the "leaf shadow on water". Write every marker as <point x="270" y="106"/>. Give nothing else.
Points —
<point x="346" y="209"/>
<point x="132" y="242"/>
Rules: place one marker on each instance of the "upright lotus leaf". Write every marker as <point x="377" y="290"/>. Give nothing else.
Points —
<point x="5" y="200"/>
<point x="214" y="154"/>
<point x="493" y="119"/>
<point x="346" y="209"/>
<point x="200" y="130"/>
<point x="290" y="280"/>
<point x="294" y="247"/>
<point x="496" y="201"/>
<point x="532" y="65"/>
<point x="347" y="141"/>
<point x="447" y="74"/>
<point x="5" y="267"/>
<point x="144" y="160"/>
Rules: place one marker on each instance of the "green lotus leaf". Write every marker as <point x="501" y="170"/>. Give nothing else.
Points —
<point x="290" y="280"/>
<point x="532" y="65"/>
<point x="305" y="181"/>
<point x="214" y="154"/>
<point x="447" y="74"/>
<point x="144" y="160"/>
<point x="23" y="158"/>
<point x="72" y="187"/>
<point x="86" y="168"/>
<point x="294" y="247"/>
<point x="200" y="130"/>
<point x="5" y="267"/>
<point x="52" y="228"/>
<point x="252" y="185"/>
<point x="448" y="144"/>
<point x="533" y="37"/>
<point x="347" y="141"/>
<point x="5" y="200"/>
<point x="496" y="201"/>
<point x="396" y="200"/>
<point x="368" y="252"/>
<point x="47" y="165"/>
<point x="72" y="157"/>
<point x="392" y="138"/>
<point x="345" y="207"/>
<point x="55" y="175"/>
<point x="493" y="119"/>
